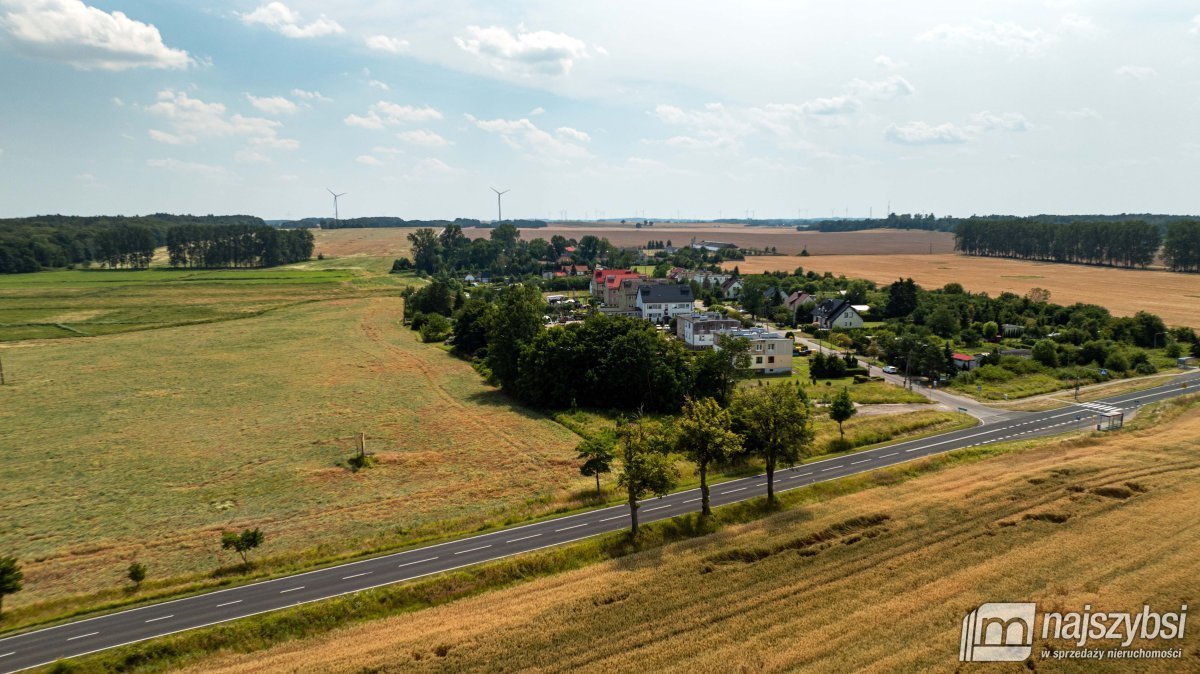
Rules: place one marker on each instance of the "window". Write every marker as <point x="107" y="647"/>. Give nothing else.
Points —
<point x="758" y="347"/>
<point x="770" y="359"/>
<point x="771" y="346"/>
<point x="758" y="360"/>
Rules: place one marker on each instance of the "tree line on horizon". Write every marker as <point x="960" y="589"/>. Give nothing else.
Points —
<point x="57" y="241"/>
<point x="1129" y="243"/>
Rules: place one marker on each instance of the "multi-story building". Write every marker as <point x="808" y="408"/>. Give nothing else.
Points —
<point x="660" y="302"/>
<point x="770" y="352"/>
<point x="699" y="331"/>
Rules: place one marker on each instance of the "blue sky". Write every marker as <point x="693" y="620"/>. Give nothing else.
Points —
<point x="622" y="108"/>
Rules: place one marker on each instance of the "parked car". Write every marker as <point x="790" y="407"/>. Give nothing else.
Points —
<point x="890" y="369"/>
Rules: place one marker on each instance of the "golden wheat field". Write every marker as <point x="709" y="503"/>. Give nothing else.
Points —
<point x="1174" y="297"/>
<point x="875" y="581"/>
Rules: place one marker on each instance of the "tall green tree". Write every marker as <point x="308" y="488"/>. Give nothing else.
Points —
<point x="646" y="470"/>
<point x="775" y="423"/>
<point x="704" y="434"/>
<point x="10" y="578"/>
<point x="841" y="408"/>
<point x="427" y="250"/>
<point x="597" y="454"/>
<point x="516" y="321"/>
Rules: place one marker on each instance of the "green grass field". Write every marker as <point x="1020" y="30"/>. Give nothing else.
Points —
<point x="145" y="445"/>
<point x="86" y="303"/>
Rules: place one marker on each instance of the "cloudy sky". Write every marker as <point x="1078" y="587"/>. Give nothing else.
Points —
<point x="616" y="108"/>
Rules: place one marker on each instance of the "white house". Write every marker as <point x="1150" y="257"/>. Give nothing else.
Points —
<point x="699" y="331"/>
<point x="660" y="302"/>
<point x="731" y="289"/>
<point x="830" y="314"/>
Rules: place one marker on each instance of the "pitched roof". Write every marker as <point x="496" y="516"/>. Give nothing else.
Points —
<point x="665" y="292"/>
<point x="729" y="282"/>
<point x="963" y="357"/>
<point x="830" y="309"/>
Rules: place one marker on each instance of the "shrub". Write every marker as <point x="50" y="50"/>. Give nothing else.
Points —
<point x="1116" y="362"/>
<point x="1145" y="368"/>
<point x="435" y="328"/>
<point x="993" y="374"/>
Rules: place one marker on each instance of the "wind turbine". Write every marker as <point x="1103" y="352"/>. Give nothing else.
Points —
<point x="335" y="198"/>
<point x="499" y="212"/>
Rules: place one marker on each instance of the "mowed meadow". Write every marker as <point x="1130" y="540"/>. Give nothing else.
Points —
<point x="876" y="580"/>
<point x="1173" y="296"/>
<point x="144" y="445"/>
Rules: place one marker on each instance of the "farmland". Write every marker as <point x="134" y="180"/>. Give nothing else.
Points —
<point x="154" y="440"/>
<point x="1173" y="296"/>
<point x="1038" y="524"/>
<point x="785" y="239"/>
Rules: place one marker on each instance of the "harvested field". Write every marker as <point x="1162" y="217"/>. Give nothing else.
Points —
<point x="1174" y="297"/>
<point x="145" y="445"/>
<point x="373" y="242"/>
<point x="875" y="581"/>
<point x="785" y="239"/>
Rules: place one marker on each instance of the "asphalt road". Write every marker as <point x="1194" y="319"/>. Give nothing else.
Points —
<point x="109" y="631"/>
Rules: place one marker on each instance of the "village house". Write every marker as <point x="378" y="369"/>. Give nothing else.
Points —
<point x="699" y="331"/>
<point x="964" y="361"/>
<point x="770" y="352"/>
<point x="660" y="302"/>
<point x="830" y="314"/>
<point x="603" y="278"/>
<point x="732" y="288"/>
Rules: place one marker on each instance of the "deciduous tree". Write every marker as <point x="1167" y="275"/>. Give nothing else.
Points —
<point x="775" y="422"/>
<point x="703" y="434"/>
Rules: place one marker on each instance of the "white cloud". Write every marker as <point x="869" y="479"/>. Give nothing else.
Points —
<point x="279" y="18"/>
<point x="1005" y="121"/>
<point x="88" y="38"/>
<point x="921" y="133"/>
<point x="1010" y="36"/>
<point x="537" y="111"/>
<point x="384" y="114"/>
<point x="524" y="135"/>
<point x="1080" y="114"/>
<point x="186" y="167"/>
<point x="892" y="87"/>
<point x="885" y="62"/>
<point x="164" y="137"/>
<point x="573" y="134"/>
<point x="393" y="45"/>
<point x="368" y="160"/>
<point x="273" y="105"/>
<point x="423" y="138"/>
<point x="1131" y="72"/>
<point x="376" y="84"/>
<point x="193" y="120"/>
<point x="310" y="96"/>
<point x="1195" y="29"/>
<point x="539" y="52"/>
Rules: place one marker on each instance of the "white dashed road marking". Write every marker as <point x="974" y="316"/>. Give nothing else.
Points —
<point x="417" y="562"/>
<point x="81" y="636"/>
<point x="152" y="620"/>
<point x="463" y="552"/>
